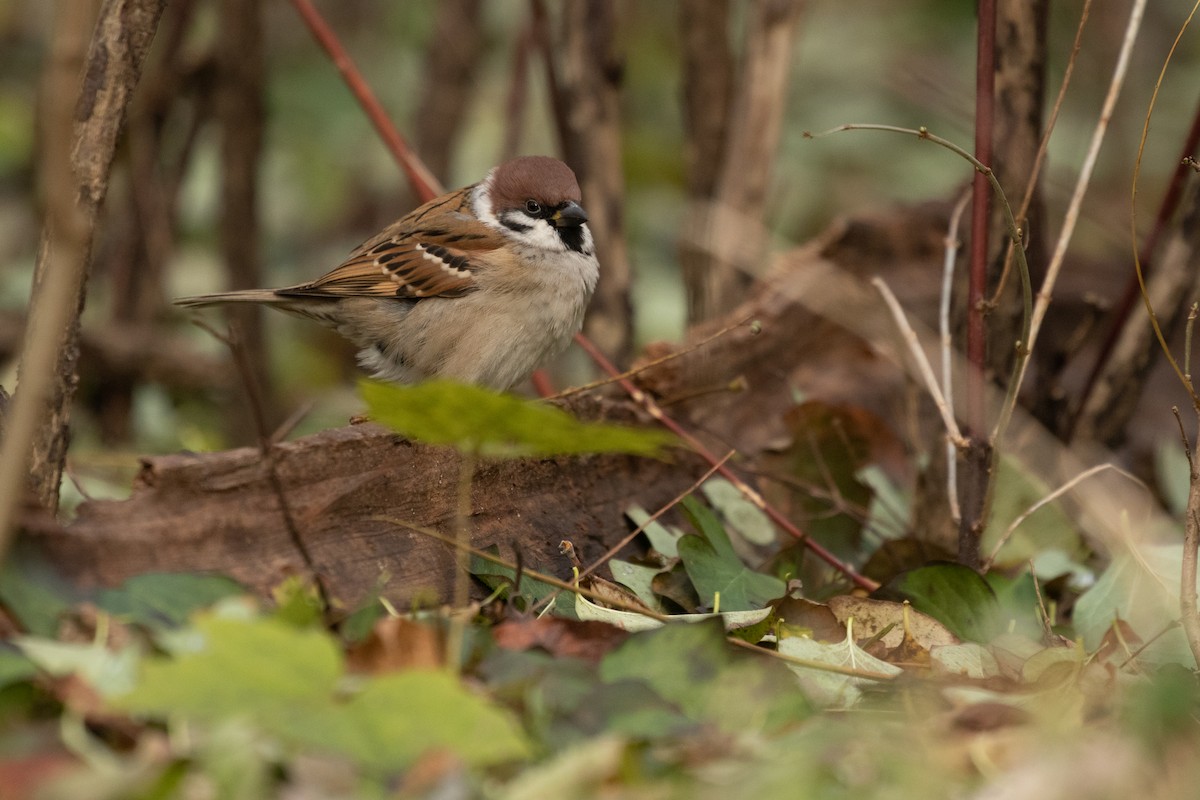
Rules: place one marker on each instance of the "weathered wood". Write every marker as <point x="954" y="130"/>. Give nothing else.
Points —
<point x="351" y="491"/>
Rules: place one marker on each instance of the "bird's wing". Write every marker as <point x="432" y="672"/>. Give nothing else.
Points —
<point x="433" y="251"/>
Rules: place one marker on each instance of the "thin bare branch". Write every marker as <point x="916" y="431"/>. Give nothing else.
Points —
<point x="1050" y="498"/>
<point x="1137" y="168"/>
<point x="696" y="445"/>
<point x="923" y="365"/>
<point x="947" y="346"/>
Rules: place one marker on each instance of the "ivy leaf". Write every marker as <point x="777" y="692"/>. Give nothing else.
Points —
<point x="692" y="666"/>
<point x="954" y="595"/>
<point x="714" y="568"/>
<point x="489" y="423"/>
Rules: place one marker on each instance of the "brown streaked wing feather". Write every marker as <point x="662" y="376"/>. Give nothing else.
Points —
<point x="429" y="252"/>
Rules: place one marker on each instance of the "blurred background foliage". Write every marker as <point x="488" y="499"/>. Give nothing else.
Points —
<point x="327" y="182"/>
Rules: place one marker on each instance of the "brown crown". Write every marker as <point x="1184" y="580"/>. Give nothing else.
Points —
<point x="541" y="178"/>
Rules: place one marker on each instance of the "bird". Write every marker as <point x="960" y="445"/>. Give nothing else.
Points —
<point x="479" y="286"/>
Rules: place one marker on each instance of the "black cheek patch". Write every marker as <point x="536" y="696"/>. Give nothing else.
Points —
<point x="572" y="237"/>
<point x="515" y="226"/>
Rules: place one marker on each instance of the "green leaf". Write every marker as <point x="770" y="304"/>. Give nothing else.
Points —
<point x="831" y="444"/>
<point x="298" y="602"/>
<point x="739" y="513"/>
<point x="638" y="579"/>
<point x="398" y="717"/>
<point x="487" y="423"/>
<point x="1017" y="490"/>
<point x="663" y="538"/>
<point x="497" y="576"/>
<point x="675" y="660"/>
<point x="288" y="682"/>
<point x="714" y="567"/>
<point x="1018" y="600"/>
<point x="158" y="599"/>
<point x="14" y="666"/>
<point x="35" y="594"/>
<point x="955" y="595"/>
<point x="1142" y="589"/>
<point x="1171" y="472"/>
<point x="694" y="667"/>
<point x="262" y="667"/>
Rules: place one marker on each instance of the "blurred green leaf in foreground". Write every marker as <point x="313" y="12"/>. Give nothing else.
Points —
<point x="489" y="423"/>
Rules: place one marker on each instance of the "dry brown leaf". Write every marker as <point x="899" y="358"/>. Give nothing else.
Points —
<point x="396" y="644"/>
<point x="873" y="616"/>
<point x="561" y="637"/>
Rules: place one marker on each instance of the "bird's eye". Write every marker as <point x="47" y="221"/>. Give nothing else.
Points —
<point x="533" y="208"/>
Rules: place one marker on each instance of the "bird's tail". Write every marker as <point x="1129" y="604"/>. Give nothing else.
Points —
<point x="267" y="296"/>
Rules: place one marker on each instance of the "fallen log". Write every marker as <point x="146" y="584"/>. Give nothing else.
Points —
<point x="351" y="491"/>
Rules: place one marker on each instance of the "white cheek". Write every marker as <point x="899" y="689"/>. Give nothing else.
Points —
<point x="541" y="234"/>
<point x="481" y="203"/>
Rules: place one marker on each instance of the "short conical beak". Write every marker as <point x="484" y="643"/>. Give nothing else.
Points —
<point x="569" y="215"/>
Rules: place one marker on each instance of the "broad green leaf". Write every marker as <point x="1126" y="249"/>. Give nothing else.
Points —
<point x="298" y="602"/>
<point x="1162" y="709"/>
<point x="1172" y="472"/>
<point x="14" y="666"/>
<point x="288" y="682"/>
<point x="33" y="592"/>
<point x="955" y="595"/>
<point x="396" y="718"/>
<point x="830" y="445"/>
<point x="497" y="576"/>
<point x="264" y="668"/>
<point x="738" y="512"/>
<point x="662" y="537"/>
<point x="889" y="511"/>
<point x="715" y="569"/>
<point x="675" y="660"/>
<point x="1017" y="490"/>
<point x="694" y="667"/>
<point x="1017" y="596"/>
<point x="638" y="579"/>
<point x="565" y="703"/>
<point x="487" y="423"/>
<point x="1142" y="588"/>
<point x="157" y="599"/>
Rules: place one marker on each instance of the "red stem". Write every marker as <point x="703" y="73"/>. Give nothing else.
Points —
<point x="674" y="427"/>
<point x="985" y="80"/>
<point x="423" y="182"/>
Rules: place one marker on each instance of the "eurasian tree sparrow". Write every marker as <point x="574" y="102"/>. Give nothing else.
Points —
<point x="480" y="285"/>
